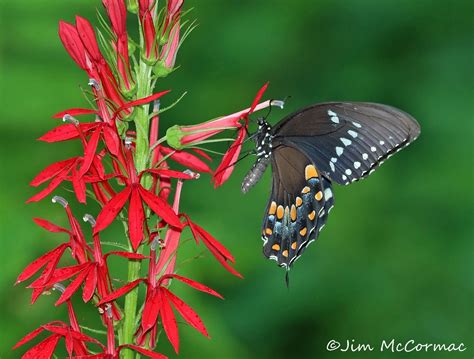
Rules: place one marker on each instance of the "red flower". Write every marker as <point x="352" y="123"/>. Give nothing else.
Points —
<point x="170" y="49"/>
<point x="159" y="303"/>
<point x="226" y="166"/>
<point x="137" y="194"/>
<point x="118" y="17"/>
<point x="80" y="42"/>
<point x="148" y="28"/>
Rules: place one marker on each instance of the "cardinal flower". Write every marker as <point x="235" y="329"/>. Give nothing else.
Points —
<point x="148" y="28"/>
<point x="136" y="194"/>
<point x="118" y="17"/>
<point x="81" y="44"/>
<point x="159" y="302"/>
<point x="75" y="341"/>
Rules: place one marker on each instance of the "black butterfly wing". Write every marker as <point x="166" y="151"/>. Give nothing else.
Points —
<point x="347" y="141"/>
<point x="297" y="210"/>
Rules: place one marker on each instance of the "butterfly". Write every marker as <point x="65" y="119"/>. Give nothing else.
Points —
<point x="308" y="151"/>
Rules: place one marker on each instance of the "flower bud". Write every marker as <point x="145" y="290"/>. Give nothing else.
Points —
<point x="132" y="6"/>
<point x="174" y="134"/>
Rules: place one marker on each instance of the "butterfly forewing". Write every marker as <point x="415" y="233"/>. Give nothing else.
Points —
<point x="347" y="141"/>
<point x="298" y="207"/>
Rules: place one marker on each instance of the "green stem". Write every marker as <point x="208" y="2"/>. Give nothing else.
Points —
<point x="142" y="126"/>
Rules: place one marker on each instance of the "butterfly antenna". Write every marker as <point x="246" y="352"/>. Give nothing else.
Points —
<point x="237" y="161"/>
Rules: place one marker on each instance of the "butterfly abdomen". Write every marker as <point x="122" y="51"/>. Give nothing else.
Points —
<point x="254" y="175"/>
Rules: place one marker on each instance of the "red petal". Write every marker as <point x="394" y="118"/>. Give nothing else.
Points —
<point x="139" y="102"/>
<point x="223" y="261"/>
<point x="74" y="286"/>
<point x="44" y="349"/>
<point x="136" y="216"/>
<point x="151" y="309"/>
<point x="202" y="154"/>
<point x="211" y="241"/>
<point x="187" y="312"/>
<point x="169" y="173"/>
<point x="51" y="227"/>
<point x="28" y="337"/>
<point x="117" y="15"/>
<point x="37" y="264"/>
<point x="89" y="152"/>
<point x="78" y="185"/>
<point x="193" y="284"/>
<point x="160" y="207"/>
<point x="112" y="140"/>
<point x="50" y="187"/>
<point x="111" y="210"/>
<point x="61" y="274"/>
<point x="90" y="283"/>
<point x="87" y="35"/>
<point x="66" y="132"/>
<point x="187" y="159"/>
<point x="73" y="44"/>
<point x="257" y="98"/>
<point x="169" y="322"/>
<point x="226" y="167"/>
<point x="121" y="291"/>
<point x="75" y="112"/>
<point x="126" y="255"/>
<point x="171" y="245"/>
<point x="143" y="351"/>
<point x="51" y="171"/>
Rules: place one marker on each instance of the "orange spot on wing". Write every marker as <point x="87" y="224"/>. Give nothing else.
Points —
<point x="298" y="201"/>
<point x="303" y="231"/>
<point x="280" y="212"/>
<point x="310" y="172"/>
<point x="312" y="215"/>
<point x="276" y="247"/>
<point x="268" y="231"/>
<point x="318" y="196"/>
<point x="284" y="253"/>
<point x="293" y="245"/>
<point x="306" y="189"/>
<point x="273" y="208"/>
<point x="293" y="212"/>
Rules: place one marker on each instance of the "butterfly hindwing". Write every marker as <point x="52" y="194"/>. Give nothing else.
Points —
<point x="298" y="207"/>
<point x="347" y="141"/>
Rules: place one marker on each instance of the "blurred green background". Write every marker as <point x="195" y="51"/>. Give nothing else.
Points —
<point x="396" y="258"/>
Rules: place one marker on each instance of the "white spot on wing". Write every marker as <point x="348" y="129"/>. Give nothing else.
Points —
<point x="344" y="177"/>
<point x="382" y="143"/>
<point x="339" y="150"/>
<point x="348" y="172"/>
<point x="334" y="117"/>
<point x="333" y="159"/>
<point x="327" y="194"/>
<point x="345" y="141"/>
<point x="358" y="125"/>
<point x="373" y="149"/>
<point x="352" y="133"/>
<point x="356" y="165"/>
<point x="333" y="168"/>
<point x="365" y="156"/>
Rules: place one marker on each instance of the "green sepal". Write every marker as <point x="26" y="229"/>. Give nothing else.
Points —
<point x="174" y="136"/>
<point x="122" y="128"/>
<point x="132" y="6"/>
<point x="161" y="70"/>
